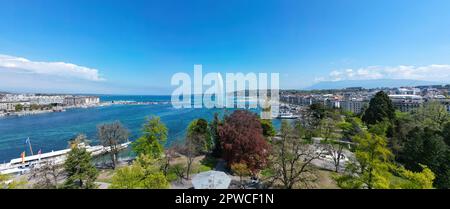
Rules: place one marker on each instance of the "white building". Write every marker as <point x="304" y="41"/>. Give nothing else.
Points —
<point x="11" y="106"/>
<point x="3" y="106"/>
<point x="406" y="102"/>
<point x="81" y="100"/>
<point x="408" y="91"/>
<point x="354" y="106"/>
<point x="47" y="100"/>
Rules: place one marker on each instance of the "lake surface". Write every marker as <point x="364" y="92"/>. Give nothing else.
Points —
<point x="52" y="131"/>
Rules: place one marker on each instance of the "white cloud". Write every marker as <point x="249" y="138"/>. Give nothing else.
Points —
<point x="58" y="69"/>
<point x="438" y="73"/>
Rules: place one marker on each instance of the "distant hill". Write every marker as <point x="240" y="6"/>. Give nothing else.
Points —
<point x="390" y="83"/>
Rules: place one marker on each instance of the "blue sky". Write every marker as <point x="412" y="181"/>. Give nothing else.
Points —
<point x="134" y="47"/>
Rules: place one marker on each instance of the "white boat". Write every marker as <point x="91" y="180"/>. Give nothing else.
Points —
<point x="21" y="166"/>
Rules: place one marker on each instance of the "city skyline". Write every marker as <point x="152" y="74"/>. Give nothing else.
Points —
<point x="119" y="48"/>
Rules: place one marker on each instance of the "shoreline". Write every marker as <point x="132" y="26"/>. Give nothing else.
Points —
<point x="63" y="109"/>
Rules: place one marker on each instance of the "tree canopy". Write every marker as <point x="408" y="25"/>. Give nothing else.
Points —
<point x="154" y="136"/>
<point x="79" y="169"/>
<point x="380" y="109"/>
<point x="199" y="133"/>
<point x="242" y="140"/>
<point x="112" y="135"/>
<point x="144" y="173"/>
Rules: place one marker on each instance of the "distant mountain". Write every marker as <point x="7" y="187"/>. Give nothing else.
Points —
<point x="390" y="83"/>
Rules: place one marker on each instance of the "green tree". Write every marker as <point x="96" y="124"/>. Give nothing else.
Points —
<point x="413" y="180"/>
<point x="329" y="129"/>
<point x="403" y="124"/>
<point x="198" y="133"/>
<point x="80" y="171"/>
<point x="426" y="147"/>
<point x="35" y="107"/>
<point x="268" y="129"/>
<point x="446" y="133"/>
<point x="380" y="109"/>
<point x="371" y="168"/>
<point x="432" y="115"/>
<point x="214" y="130"/>
<point x="318" y="111"/>
<point x="153" y="139"/>
<point x="381" y="128"/>
<point x="144" y="173"/>
<point x="179" y="170"/>
<point x="18" y="107"/>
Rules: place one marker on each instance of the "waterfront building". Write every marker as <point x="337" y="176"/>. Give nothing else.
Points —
<point x="81" y="100"/>
<point x="3" y="106"/>
<point x="11" y="106"/>
<point x="47" y="100"/>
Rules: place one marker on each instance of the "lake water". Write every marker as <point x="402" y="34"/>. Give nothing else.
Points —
<point x="51" y="131"/>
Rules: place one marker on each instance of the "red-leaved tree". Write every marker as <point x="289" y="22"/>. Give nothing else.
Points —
<point x="242" y="140"/>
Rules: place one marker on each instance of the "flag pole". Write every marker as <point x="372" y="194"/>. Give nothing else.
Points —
<point x="29" y="143"/>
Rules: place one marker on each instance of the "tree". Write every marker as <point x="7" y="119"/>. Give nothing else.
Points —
<point x="242" y="140"/>
<point x="371" y="169"/>
<point x="336" y="150"/>
<point x="112" y="135"/>
<point x="403" y="124"/>
<point x="413" y="180"/>
<point x="18" y="107"/>
<point x="432" y="115"/>
<point x="153" y="138"/>
<point x="426" y="147"/>
<point x="79" y="169"/>
<point x="144" y="173"/>
<point x="314" y="117"/>
<point x="179" y="170"/>
<point x="190" y="150"/>
<point x="241" y="170"/>
<point x="329" y="128"/>
<point x="169" y="154"/>
<point x="198" y="133"/>
<point x="380" y="109"/>
<point x="318" y="111"/>
<point x="35" y="107"/>
<point x="446" y="133"/>
<point x="214" y="130"/>
<point x="292" y="156"/>
<point x="374" y="170"/>
<point x="47" y="175"/>
<point x="268" y="129"/>
<point x="351" y="127"/>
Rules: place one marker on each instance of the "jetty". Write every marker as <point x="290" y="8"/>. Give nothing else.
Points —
<point x="20" y="166"/>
